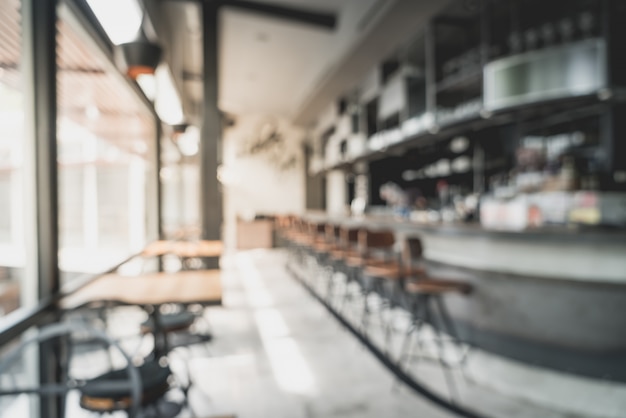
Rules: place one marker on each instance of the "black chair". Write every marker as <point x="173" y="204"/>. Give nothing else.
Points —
<point x="129" y="389"/>
<point x="178" y="324"/>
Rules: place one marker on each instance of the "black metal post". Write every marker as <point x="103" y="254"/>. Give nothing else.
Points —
<point x="210" y="194"/>
<point x="431" y="75"/>
<point x="40" y="165"/>
<point x="159" y="185"/>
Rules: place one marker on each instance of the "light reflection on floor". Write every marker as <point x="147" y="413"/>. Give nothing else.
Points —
<point x="291" y="371"/>
<point x="299" y="362"/>
<point x="276" y="353"/>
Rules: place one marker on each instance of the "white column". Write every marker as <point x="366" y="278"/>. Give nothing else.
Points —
<point x="336" y="192"/>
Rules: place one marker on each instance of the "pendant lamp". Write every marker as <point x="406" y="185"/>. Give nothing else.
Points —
<point x="141" y="56"/>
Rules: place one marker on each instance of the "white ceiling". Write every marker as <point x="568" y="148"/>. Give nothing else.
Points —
<point x="269" y="65"/>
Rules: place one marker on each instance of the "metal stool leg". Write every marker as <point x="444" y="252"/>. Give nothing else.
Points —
<point x="452" y="332"/>
<point x="454" y="393"/>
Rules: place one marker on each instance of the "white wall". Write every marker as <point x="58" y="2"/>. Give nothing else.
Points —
<point x="336" y="192"/>
<point x="256" y="184"/>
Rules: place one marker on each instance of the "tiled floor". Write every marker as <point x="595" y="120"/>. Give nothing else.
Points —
<point x="278" y="353"/>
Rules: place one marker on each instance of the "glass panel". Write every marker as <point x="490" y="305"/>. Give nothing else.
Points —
<point x="22" y="372"/>
<point x="11" y="143"/>
<point x="106" y="147"/>
<point x="172" y="188"/>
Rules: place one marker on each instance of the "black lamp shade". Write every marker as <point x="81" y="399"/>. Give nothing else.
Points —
<point x="180" y="128"/>
<point x="139" y="57"/>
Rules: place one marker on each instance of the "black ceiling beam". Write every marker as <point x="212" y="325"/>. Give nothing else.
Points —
<point x="453" y="20"/>
<point x="319" y="19"/>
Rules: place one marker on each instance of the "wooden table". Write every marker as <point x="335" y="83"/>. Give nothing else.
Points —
<point x="185" y="287"/>
<point x="184" y="249"/>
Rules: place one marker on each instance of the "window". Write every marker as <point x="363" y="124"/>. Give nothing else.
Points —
<point x="172" y="188"/>
<point x="12" y="254"/>
<point x="106" y="139"/>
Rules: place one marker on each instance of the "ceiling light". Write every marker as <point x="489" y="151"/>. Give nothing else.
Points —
<point x="120" y="19"/>
<point x="147" y="82"/>
<point x="189" y="142"/>
<point x="139" y="57"/>
<point x="167" y="104"/>
<point x="179" y="129"/>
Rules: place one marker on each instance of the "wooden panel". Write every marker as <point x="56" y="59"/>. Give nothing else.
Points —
<point x="255" y="234"/>
<point x="84" y="82"/>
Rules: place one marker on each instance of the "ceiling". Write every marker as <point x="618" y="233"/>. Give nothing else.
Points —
<point x="270" y="65"/>
<point x="279" y="67"/>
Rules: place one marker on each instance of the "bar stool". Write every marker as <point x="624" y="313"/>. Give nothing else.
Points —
<point x="314" y="247"/>
<point x="424" y="296"/>
<point x="375" y="248"/>
<point x="339" y="241"/>
<point x="297" y="237"/>
<point x="389" y="277"/>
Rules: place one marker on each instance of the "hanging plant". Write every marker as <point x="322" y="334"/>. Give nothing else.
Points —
<point x="269" y="141"/>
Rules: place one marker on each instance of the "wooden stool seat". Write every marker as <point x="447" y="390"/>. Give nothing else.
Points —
<point x="437" y="286"/>
<point x="298" y="237"/>
<point x="342" y="253"/>
<point x="392" y="271"/>
<point x="363" y="262"/>
<point x="324" y="247"/>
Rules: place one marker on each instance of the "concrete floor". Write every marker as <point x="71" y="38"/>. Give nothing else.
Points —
<point x="278" y="353"/>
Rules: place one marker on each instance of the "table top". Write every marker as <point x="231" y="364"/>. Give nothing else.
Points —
<point x="187" y="287"/>
<point x="184" y="249"/>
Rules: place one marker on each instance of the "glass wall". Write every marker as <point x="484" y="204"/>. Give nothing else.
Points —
<point x="180" y="184"/>
<point x="106" y="145"/>
<point x="11" y="141"/>
<point x="172" y="188"/>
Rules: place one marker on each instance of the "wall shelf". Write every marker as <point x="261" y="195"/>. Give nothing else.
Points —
<point x="466" y="80"/>
<point x="447" y="91"/>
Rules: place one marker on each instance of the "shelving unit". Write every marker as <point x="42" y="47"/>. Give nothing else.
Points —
<point x="439" y="82"/>
<point x="457" y="43"/>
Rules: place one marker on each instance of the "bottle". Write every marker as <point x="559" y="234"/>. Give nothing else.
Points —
<point x="568" y="173"/>
<point x="587" y="24"/>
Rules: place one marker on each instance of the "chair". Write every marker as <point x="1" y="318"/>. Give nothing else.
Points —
<point x="176" y="323"/>
<point x="388" y="277"/>
<point x="374" y="248"/>
<point x="423" y="296"/>
<point x="128" y="389"/>
<point x="345" y="246"/>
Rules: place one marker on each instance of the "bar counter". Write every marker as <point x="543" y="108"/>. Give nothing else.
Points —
<point x="554" y="297"/>
<point x="583" y="254"/>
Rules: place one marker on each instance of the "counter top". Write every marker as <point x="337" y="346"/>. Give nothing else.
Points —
<point x="581" y="234"/>
<point x="586" y="255"/>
